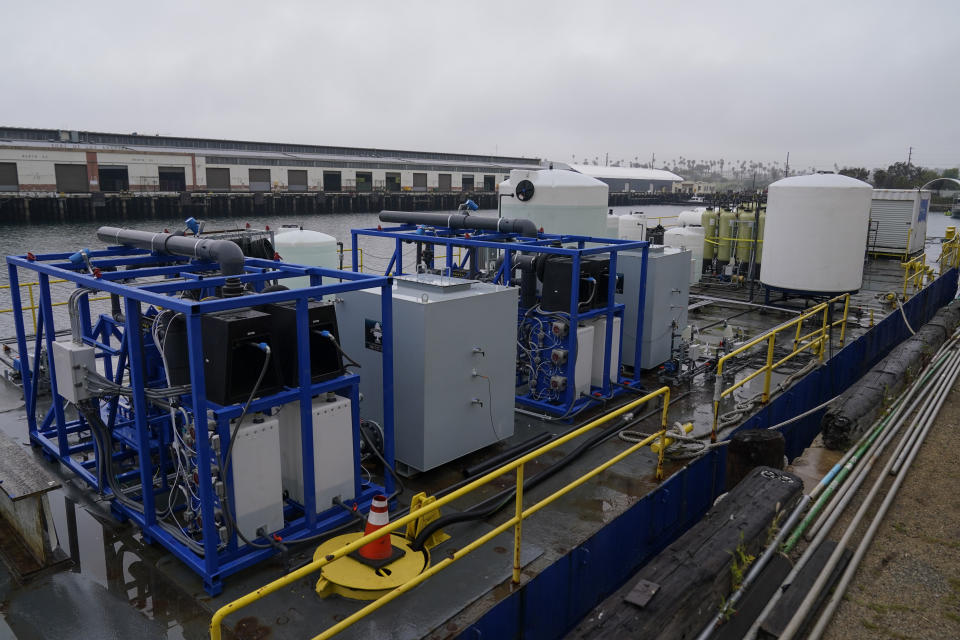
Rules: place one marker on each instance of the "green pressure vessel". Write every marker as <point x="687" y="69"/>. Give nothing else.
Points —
<point x="745" y="222"/>
<point x="725" y="228"/>
<point x="763" y="221"/>
<point x="709" y="222"/>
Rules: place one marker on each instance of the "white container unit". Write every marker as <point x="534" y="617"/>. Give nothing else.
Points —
<point x="689" y="239"/>
<point x="308" y="248"/>
<point x="898" y="220"/>
<point x="560" y="201"/>
<point x="816" y="233"/>
<point x="632" y="226"/>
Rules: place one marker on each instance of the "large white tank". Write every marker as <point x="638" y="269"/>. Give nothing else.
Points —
<point x="632" y="226"/>
<point x="613" y="220"/>
<point x="560" y="201"/>
<point x="815" y="233"/>
<point x="690" y="218"/>
<point x="310" y="248"/>
<point x="691" y="239"/>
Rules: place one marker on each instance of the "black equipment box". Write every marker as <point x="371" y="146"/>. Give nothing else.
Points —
<point x="326" y="362"/>
<point x="557" y="276"/>
<point x="232" y="361"/>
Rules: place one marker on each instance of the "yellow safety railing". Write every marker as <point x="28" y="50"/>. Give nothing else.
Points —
<point x="950" y="251"/>
<point x="516" y="522"/>
<point x="816" y="339"/>
<point x="33" y="306"/>
<point x="913" y="272"/>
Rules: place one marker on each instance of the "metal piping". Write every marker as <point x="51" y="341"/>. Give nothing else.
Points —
<point x="521" y="226"/>
<point x="224" y="252"/>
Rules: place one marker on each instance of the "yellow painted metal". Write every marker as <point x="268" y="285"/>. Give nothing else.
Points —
<point x="814" y="341"/>
<point x="913" y="273"/>
<point x="686" y="428"/>
<point x="319" y="562"/>
<point x="353" y="579"/>
<point x="415" y="527"/>
<point x="518" y="528"/>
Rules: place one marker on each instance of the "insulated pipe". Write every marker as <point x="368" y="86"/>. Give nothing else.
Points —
<point x="805" y="606"/>
<point x="522" y="226"/>
<point x="224" y="252"/>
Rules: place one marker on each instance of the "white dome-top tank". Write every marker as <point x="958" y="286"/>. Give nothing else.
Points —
<point x="558" y="200"/>
<point x="308" y="248"/>
<point x="816" y="233"/>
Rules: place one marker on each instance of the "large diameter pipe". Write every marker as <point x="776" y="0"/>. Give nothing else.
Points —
<point x="460" y="221"/>
<point x="224" y="252"/>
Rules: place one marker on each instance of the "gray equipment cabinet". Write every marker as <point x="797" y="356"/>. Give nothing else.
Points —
<point x="455" y="364"/>
<point x="665" y="304"/>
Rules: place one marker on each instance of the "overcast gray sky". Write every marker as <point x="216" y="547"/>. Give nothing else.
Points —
<point x="854" y="83"/>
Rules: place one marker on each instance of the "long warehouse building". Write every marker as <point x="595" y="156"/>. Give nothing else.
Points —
<point x="51" y="161"/>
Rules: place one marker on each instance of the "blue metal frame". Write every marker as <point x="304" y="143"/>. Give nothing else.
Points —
<point x="144" y="434"/>
<point x="508" y="244"/>
<point x="583" y="578"/>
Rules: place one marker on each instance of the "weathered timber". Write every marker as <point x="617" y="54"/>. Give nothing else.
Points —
<point x="692" y="576"/>
<point x="755" y="599"/>
<point x="782" y="613"/>
<point x="751" y="448"/>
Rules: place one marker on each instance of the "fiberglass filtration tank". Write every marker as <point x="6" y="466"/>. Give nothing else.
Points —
<point x="708" y="221"/>
<point x="724" y="229"/>
<point x="309" y="248"/>
<point x="559" y="201"/>
<point x="815" y="233"/>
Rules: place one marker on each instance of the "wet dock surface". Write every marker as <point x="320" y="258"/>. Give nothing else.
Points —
<point x="118" y="587"/>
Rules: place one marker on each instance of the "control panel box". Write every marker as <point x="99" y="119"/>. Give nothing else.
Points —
<point x="257" y="485"/>
<point x="454" y="363"/>
<point x="333" y="451"/>
<point x="71" y="360"/>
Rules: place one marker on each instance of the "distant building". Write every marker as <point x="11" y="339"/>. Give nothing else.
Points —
<point x="694" y="187"/>
<point x="51" y="160"/>
<point x="631" y="178"/>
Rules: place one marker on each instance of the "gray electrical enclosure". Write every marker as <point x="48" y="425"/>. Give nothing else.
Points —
<point x="455" y="363"/>
<point x="665" y="304"/>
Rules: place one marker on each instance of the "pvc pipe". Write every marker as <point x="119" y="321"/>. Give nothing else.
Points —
<point x="865" y="468"/>
<point x="820" y="537"/>
<point x="522" y="226"/>
<point x="805" y="606"/>
<point x="226" y="253"/>
<point x="756" y="567"/>
<point x="851" y="569"/>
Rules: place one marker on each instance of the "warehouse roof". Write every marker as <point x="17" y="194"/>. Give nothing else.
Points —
<point x="626" y="173"/>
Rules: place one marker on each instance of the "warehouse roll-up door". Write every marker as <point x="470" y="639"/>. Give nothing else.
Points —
<point x="259" y="179"/>
<point x="467" y="182"/>
<point x="331" y="181"/>
<point x="114" y="178"/>
<point x="419" y="182"/>
<point x="364" y="181"/>
<point x="892" y="219"/>
<point x="218" y="179"/>
<point x="71" y="178"/>
<point x="296" y="179"/>
<point x="445" y="182"/>
<point x="489" y="183"/>
<point x="393" y="182"/>
<point x="8" y="176"/>
<point x="171" y="179"/>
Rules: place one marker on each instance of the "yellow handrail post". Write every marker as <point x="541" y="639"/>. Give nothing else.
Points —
<point x="663" y="433"/>
<point x="717" y="395"/>
<point x="846" y="309"/>
<point x="824" y="332"/>
<point x="769" y="367"/>
<point x="518" y="528"/>
<point x="33" y="308"/>
<point x="796" y="339"/>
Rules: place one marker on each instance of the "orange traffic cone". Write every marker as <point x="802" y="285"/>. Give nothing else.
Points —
<point x="377" y="519"/>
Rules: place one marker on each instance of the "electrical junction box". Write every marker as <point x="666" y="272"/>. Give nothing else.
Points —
<point x="666" y="301"/>
<point x="255" y="468"/>
<point x="454" y="363"/>
<point x="333" y="454"/>
<point x="69" y="362"/>
<point x="584" y="366"/>
<point x="599" y="341"/>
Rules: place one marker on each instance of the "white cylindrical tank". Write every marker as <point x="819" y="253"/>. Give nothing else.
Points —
<point x="690" y="218"/>
<point x="560" y="201"/>
<point x="690" y="239"/>
<point x="815" y="233"/>
<point x="613" y="221"/>
<point x="305" y="247"/>
<point x="633" y="226"/>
